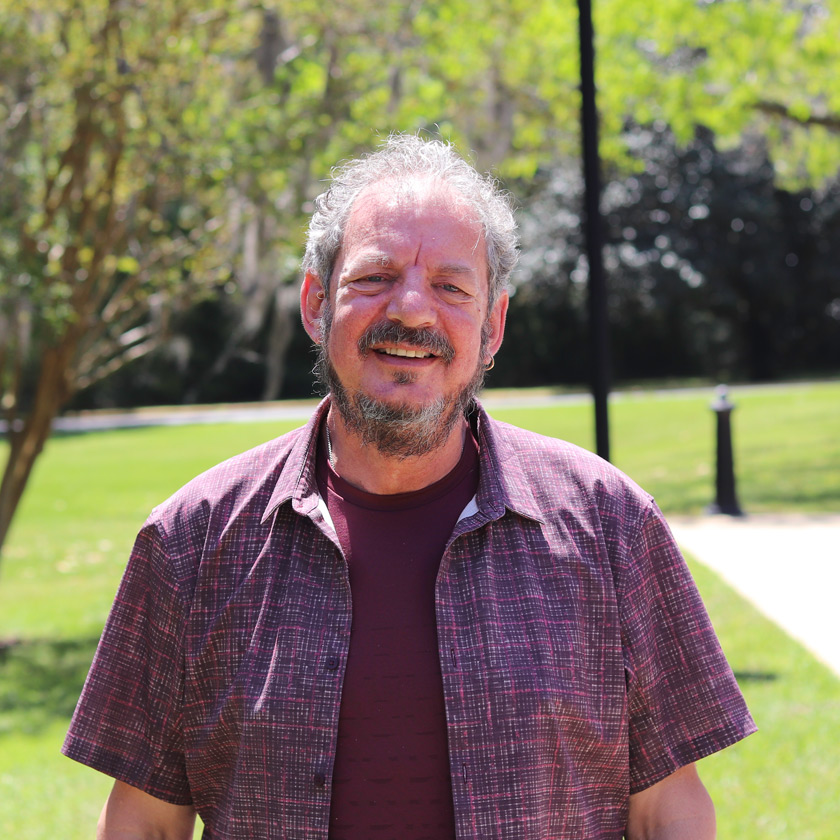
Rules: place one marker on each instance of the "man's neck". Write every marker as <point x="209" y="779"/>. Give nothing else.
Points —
<point x="364" y="466"/>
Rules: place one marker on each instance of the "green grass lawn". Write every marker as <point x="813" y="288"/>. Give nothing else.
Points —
<point x="90" y="493"/>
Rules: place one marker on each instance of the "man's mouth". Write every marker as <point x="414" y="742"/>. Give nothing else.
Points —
<point x="398" y="341"/>
<point x="400" y="351"/>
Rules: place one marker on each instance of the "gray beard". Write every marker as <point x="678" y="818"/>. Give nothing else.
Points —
<point x="397" y="430"/>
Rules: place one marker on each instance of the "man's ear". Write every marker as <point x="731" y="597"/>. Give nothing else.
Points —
<point x="497" y="320"/>
<point x="312" y="302"/>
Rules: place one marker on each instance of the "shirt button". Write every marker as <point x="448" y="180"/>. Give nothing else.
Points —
<point x="332" y="663"/>
<point x="320" y="780"/>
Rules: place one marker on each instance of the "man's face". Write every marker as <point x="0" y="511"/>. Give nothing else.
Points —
<point x="407" y="329"/>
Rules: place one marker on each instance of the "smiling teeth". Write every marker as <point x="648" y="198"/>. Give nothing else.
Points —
<point x="410" y="354"/>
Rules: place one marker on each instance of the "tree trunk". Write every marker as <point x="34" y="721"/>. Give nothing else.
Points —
<point x="27" y="442"/>
<point x="279" y="338"/>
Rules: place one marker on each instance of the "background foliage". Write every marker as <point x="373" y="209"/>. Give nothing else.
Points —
<point x="715" y="270"/>
<point x="159" y="160"/>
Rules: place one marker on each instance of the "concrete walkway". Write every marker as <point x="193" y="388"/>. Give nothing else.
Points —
<point x="788" y="566"/>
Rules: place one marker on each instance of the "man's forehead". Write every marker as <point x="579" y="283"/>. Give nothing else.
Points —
<point x="418" y="192"/>
<point x="381" y="234"/>
<point x="394" y="217"/>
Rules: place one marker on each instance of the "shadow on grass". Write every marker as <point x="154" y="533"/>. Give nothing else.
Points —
<point x="755" y="676"/>
<point x="40" y="681"/>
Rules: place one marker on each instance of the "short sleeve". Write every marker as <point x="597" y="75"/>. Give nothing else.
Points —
<point x="127" y="723"/>
<point x="684" y="702"/>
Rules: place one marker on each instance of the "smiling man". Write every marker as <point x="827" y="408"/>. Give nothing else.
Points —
<point x="408" y="329"/>
<point x="407" y="620"/>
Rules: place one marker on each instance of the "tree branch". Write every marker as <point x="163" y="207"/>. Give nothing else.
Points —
<point x="779" y="109"/>
<point x="106" y="366"/>
<point x="133" y="325"/>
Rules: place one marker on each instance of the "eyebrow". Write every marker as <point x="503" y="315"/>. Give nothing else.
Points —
<point x="454" y="268"/>
<point x="364" y="260"/>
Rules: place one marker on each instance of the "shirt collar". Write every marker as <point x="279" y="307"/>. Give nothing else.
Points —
<point x="296" y="479"/>
<point x="502" y="482"/>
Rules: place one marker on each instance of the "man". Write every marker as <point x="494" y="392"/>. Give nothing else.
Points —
<point x="407" y="620"/>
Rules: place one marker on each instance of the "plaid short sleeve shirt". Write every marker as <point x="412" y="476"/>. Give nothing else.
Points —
<point x="579" y="665"/>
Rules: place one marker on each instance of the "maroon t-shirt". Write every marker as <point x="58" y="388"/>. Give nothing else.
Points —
<point x="392" y="778"/>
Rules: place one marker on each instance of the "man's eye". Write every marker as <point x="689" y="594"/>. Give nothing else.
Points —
<point x="369" y="282"/>
<point x="452" y="289"/>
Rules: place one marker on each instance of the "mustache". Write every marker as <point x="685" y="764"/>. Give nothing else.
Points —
<point x="418" y="338"/>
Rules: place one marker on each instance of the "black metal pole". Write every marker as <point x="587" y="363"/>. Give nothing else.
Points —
<point x="598" y="321"/>
<point x="726" y="499"/>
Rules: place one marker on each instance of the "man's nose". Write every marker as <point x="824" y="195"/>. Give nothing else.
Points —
<point x="412" y="303"/>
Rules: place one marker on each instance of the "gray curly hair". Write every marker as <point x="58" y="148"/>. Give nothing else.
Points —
<point x="406" y="156"/>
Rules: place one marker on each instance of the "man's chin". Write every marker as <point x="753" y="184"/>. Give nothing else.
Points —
<point x="396" y="424"/>
<point x="400" y="404"/>
<point x="397" y="428"/>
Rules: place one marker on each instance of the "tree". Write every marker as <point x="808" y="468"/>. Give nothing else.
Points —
<point x="92" y="240"/>
<point x="766" y="69"/>
<point x="714" y="269"/>
<point x="115" y="169"/>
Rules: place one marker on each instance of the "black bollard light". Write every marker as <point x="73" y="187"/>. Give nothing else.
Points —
<point x="726" y="501"/>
